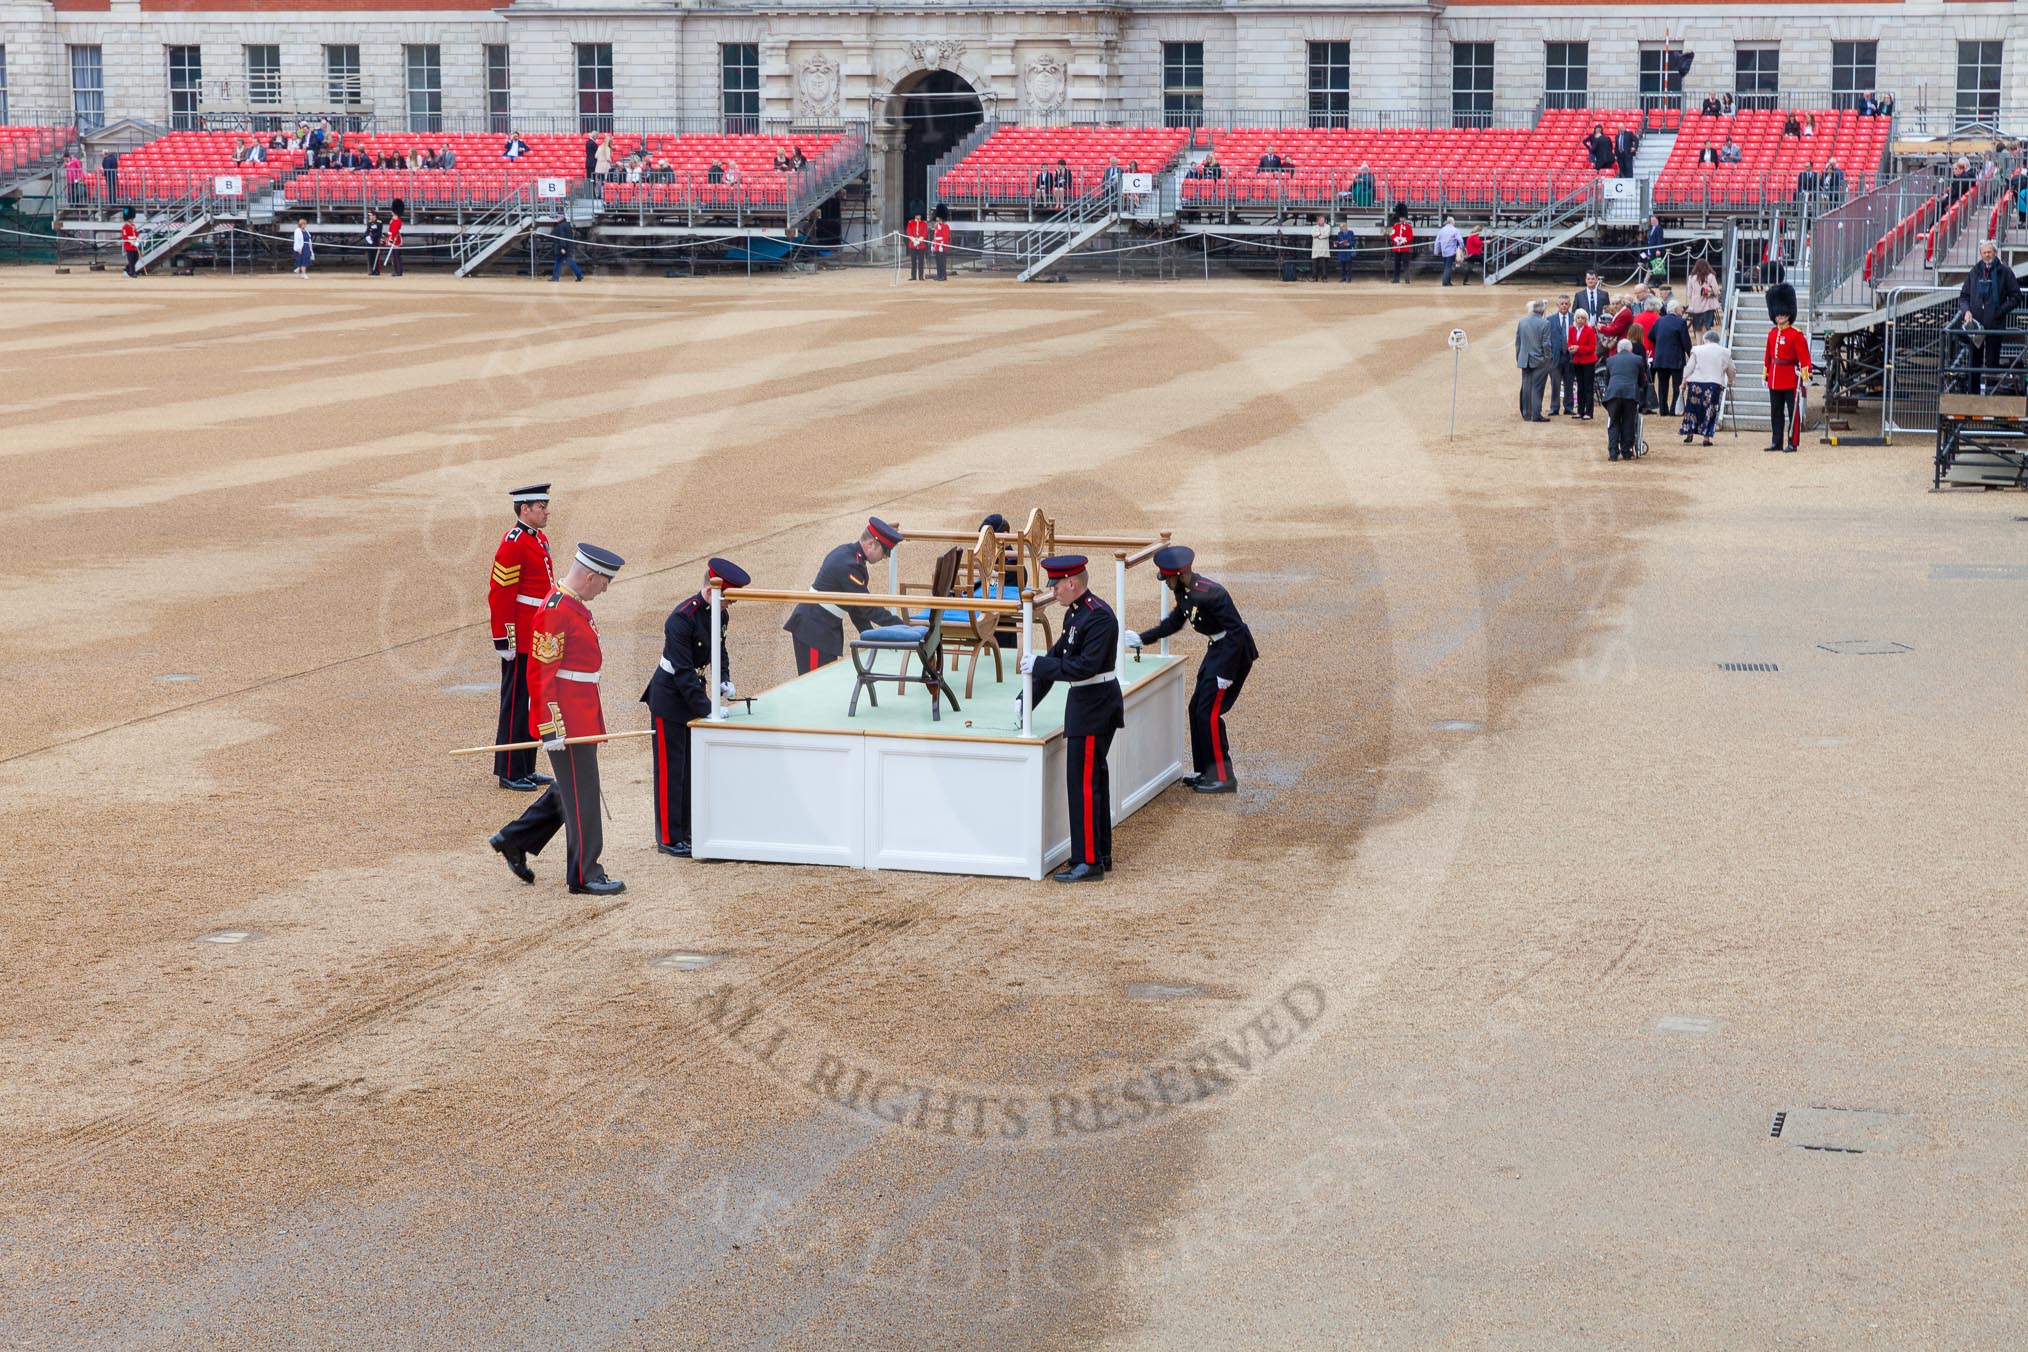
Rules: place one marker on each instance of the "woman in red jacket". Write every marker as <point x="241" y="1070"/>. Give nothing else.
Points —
<point x="1584" y="359"/>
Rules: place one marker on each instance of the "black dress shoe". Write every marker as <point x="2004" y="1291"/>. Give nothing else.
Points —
<point x="681" y="849"/>
<point x="1106" y="865"/>
<point x="1082" y="873"/>
<point x="1215" y="786"/>
<point x="604" y="887"/>
<point x="525" y="784"/>
<point x="517" y="859"/>
<point x="539" y="779"/>
<point x="1191" y="779"/>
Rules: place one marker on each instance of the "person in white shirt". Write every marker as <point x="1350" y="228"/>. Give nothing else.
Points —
<point x="1706" y="377"/>
<point x="1320" y="251"/>
<point x="1449" y="240"/>
<point x="300" y="246"/>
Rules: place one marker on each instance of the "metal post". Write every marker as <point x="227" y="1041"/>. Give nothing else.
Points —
<point x="717" y="655"/>
<point x="1168" y="604"/>
<point x="1120" y="605"/>
<point x="1028" y="678"/>
<point x="893" y="573"/>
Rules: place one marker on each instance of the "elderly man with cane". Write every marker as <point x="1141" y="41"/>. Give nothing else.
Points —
<point x="1989" y="297"/>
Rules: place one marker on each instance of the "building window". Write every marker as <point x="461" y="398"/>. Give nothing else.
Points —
<point x="425" y="66"/>
<point x="594" y="86"/>
<point x="342" y="85"/>
<point x="1757" y="75"/>
<point x="739" y="85"/>
<point x="186" y="78"/>
<point x="1183" y="84"/>
<point x="1853" y="71"/>
<point x="1566" y="80"/>
<point x="499" y="89"/>
<point x="1330" y="84"/>
<point x="263" y="74"/>
<point x="1471" y="84"/>
<point x="87" y="88"/>
<point x="1978" y="81"/>
<point x="1660" y="86"/>
<point x="3" y="86"/>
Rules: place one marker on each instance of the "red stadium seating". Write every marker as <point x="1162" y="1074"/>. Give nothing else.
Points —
<point x="1769" y="161"/>
<point x="25" y="145"/>
<point x="1004" y="166"/>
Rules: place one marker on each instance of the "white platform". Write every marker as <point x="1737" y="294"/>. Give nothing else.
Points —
<point x="892" y="790"/>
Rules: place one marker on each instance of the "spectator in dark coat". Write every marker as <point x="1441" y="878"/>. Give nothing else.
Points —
<point x="1599" y="146"/>
<point x="1626" y="381"/>
<point x="1625" y="145"/>
<point x="1989" y="297"/>
<point x="1671" y="338"/>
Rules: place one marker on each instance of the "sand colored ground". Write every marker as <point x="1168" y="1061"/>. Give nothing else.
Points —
<point x="1527" y="920"/>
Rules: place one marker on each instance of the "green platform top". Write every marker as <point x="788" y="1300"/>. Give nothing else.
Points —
<point x="816" y="702"/>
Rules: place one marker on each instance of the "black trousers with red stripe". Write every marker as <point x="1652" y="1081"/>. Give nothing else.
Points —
<point x="672" y="781"/>
<point x="514" y="720"/>
<point x="1090" y="783"/>
<point x="810" y="656"/>
<point x="1210" y="746"/>
<point x="571" y="803"/>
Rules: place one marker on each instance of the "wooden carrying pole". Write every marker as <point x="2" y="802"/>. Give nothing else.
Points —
<point x="568" y="741"/>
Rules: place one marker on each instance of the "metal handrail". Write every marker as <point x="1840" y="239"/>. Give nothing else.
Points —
<point x="1529" y="233"/>
<point x="1729" y="309"/>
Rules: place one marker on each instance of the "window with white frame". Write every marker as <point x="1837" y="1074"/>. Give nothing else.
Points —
<point x="1471" y="84"/>
<point x="1659" y="85"/>
<point x="88" y="88"/>
<point x="1978" y="81"/>
<point x="3" y="85"/>
<point x="1182" y="84"/>
<point x="263" y="73"/>
<point x="739" y="85"/>
<point x="594" y="86"/>
<point x="1854" y="70"/>
<point x="342" y="83"/>
<point x="1566" y="74"/>
<point x="424" y="63"/>
<point x="1757" y="74"/>
<point x="499" y="89"/>
<point x="186" y="81"/>
<point x="1330" y="84"/>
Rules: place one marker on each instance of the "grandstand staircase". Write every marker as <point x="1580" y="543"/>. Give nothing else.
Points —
<point x="484" y="237"/>
<point x="1749" y="326"/>
<point x="162" y="236"/>
<point x="1042" y="246"/>
<point x="1550" y="228"/>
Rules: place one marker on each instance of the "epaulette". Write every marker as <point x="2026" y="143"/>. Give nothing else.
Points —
<point x="554" y="597"/>
<point x="516" y="531"/>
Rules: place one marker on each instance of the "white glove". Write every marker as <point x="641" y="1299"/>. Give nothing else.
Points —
<point x="1135" y="642"/>
<point x="725" y="689"/>
<point x="1224" y="684"/>
<point x="553" y="744"/>
<point x="504" y="647"/>
<point x="1027" y="664"/>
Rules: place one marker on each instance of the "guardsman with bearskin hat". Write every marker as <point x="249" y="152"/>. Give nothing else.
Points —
<point x="1208" y="609"/>
<point x="677" y="693"/>
<point x="563" y="679"/>
<point x="523" y="578"/>
<point x="1084" y="658"/>
<point x="818" y="629"/>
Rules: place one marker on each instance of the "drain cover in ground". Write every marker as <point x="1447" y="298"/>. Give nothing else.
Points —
<point x="685" y="962"/>
<point x="1850" y="1131"/>
<point x="2001" y="572"/>
<point x="1864" y="647"/>
<point x="1157" y="990"/>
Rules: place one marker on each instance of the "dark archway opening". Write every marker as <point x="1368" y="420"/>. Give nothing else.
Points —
<point x="939" y="110"/>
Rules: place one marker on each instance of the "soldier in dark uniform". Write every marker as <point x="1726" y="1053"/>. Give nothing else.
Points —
<point x="818" y="630"/>
<point x="676" y="694"/>
<point x="1084" y="658"/>
<point x="1221" y="675"/>
<point x="565" y="663"/>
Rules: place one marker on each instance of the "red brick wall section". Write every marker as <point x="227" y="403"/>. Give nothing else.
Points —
<point x="290" y="6"/>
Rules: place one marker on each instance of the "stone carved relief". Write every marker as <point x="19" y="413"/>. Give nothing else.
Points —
<point x="1047" y="81"/>
<point x="936" y="53"/>
<point x="817" y="86"/>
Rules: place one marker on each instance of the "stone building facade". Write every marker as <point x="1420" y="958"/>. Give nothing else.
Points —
<point x="694" y="62"/>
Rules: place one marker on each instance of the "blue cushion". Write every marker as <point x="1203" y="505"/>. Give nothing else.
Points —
<point x="896" y="633"/>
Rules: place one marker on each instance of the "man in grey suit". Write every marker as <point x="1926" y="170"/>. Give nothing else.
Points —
<point x="1535" y="354"/>
<point x="1625" y="382"/>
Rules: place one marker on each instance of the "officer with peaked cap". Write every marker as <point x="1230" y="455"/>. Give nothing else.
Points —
<point x="817" y="629"/>
<point x="563" y="681"/>
<point x="677" y="693"/>
<point x="1083" y="658"/>
<point x="1208" y="608"/>
<point x="522" y="580"/>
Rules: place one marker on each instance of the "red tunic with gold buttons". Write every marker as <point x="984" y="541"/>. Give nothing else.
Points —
<point x="563" y="670"/>
<point x="1787" y="357"/>
<point x="523" y="577"/>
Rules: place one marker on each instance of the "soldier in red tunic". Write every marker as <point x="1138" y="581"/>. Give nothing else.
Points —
<point x="563" y="678"/>
<point x="1786" y="364"/>
<point x="130" y="242"/>
<point x="940" y="245"/>
<point x="918" y="244"/>
<point x="523" y="578"/>
<point x="1401" y="235"/>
